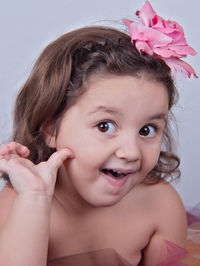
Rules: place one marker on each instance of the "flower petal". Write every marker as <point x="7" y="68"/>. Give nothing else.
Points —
<point x="157" y="22"/>
<point x="166" y="26"/>
<point x="178" y="65"/>
<point x="127" y="22"/>
<point x="178" y="38"/>
<point x="140" y="32"/>
<point x="174" y="50"/>
<point x="182" y="51"/>
<point x="164" y="52"/>
<point x="143" y="47"/>
<point x="146" y="14"/>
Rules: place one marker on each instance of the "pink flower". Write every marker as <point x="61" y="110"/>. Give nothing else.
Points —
<point x="162" y="38"/>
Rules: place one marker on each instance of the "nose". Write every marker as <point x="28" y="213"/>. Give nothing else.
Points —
<point x="129" y="149"/>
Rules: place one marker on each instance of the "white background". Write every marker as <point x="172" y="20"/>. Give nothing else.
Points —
<point x="26" y="27"/>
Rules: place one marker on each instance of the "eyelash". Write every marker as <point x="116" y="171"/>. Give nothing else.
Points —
<point x="155" y="128"/>
<point x="106" y="129"/>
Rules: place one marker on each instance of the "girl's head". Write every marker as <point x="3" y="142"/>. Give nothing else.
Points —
<point x="59" y="78"/>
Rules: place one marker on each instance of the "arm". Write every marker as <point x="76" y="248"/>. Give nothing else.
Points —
<point x="24" y="235"/>
<point x="169" y="237"/>
<point x="24" y="232"/>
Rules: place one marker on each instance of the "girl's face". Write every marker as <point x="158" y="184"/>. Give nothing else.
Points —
<point x="115" y="132"/>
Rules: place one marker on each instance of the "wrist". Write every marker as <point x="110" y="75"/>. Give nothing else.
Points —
<point x="34" y="198"/>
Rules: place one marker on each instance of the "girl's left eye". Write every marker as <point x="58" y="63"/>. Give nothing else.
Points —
<point x="148" y="131"/>
<point x="106" y="127"/>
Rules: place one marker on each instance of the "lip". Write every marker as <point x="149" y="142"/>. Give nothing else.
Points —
<point x="117" y="182"/>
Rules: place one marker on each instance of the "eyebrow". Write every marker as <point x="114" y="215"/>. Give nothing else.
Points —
<point x="110" y="110"/>
<point x="115" y="111"/>
<point x="160" y="116"/>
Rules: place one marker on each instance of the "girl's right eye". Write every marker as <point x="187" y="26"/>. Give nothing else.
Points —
<point x="106" y="127"/>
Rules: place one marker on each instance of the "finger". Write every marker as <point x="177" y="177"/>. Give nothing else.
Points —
<point x="22" y="150"/>
<point x="4" y="166"/>
<point x="14" y="148"/>
<point x="18" y="148"/>
<point x="4" y="149"/>
<point x="57" y="158"/>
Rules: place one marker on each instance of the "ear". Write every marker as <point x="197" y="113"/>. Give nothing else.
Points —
<point x="49" y="135"/>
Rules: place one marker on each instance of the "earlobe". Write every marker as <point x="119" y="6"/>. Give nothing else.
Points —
<point x="50" y="141"/>
<point x="49" y="136"/>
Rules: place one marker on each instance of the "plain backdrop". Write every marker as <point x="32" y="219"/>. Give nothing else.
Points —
<point x="26" y="27"/>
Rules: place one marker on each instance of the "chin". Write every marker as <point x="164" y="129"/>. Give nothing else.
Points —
<point x="105" y="201"/>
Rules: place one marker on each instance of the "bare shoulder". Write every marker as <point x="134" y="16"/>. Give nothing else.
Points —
<point x="166" y="206"/>
<point x="162" y="193"/>
<point x="162" y="207"/>
<point x="7" y="196"/>
<point x="165" y="198"/>
<point x="161" y="196"/>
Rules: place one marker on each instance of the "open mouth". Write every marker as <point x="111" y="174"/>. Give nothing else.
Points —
<point x="114" y="173"/>
<point x="116" y="177"/>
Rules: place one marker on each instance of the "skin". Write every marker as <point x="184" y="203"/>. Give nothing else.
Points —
<point x="86" y="210"/>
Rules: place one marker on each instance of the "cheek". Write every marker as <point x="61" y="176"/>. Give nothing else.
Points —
<point x="89" y="153"/>
<point x="86" y="143"/>
<point x="152" y="156"/>
<point x="85" y="157"/>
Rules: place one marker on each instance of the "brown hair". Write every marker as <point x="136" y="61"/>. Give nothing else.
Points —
<point x="58" y="77"/>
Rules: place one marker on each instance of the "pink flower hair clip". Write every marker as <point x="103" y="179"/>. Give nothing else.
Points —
<point x="162" y="38"/>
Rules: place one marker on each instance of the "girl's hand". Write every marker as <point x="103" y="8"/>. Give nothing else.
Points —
<point x="25" y="176"/>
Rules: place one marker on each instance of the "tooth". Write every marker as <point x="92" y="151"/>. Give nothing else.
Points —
<point x="117" y="172"/>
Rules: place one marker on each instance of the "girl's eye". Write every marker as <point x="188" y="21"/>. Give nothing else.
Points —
<point x="148" y="131"/>
<point x="106" y="127"/>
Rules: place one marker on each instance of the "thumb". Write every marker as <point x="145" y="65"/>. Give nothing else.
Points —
<point x="58" y="157"/>
<point x="3" y="166"/>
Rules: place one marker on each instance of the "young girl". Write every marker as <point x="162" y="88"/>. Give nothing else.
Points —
<point x="91" y="152"/>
